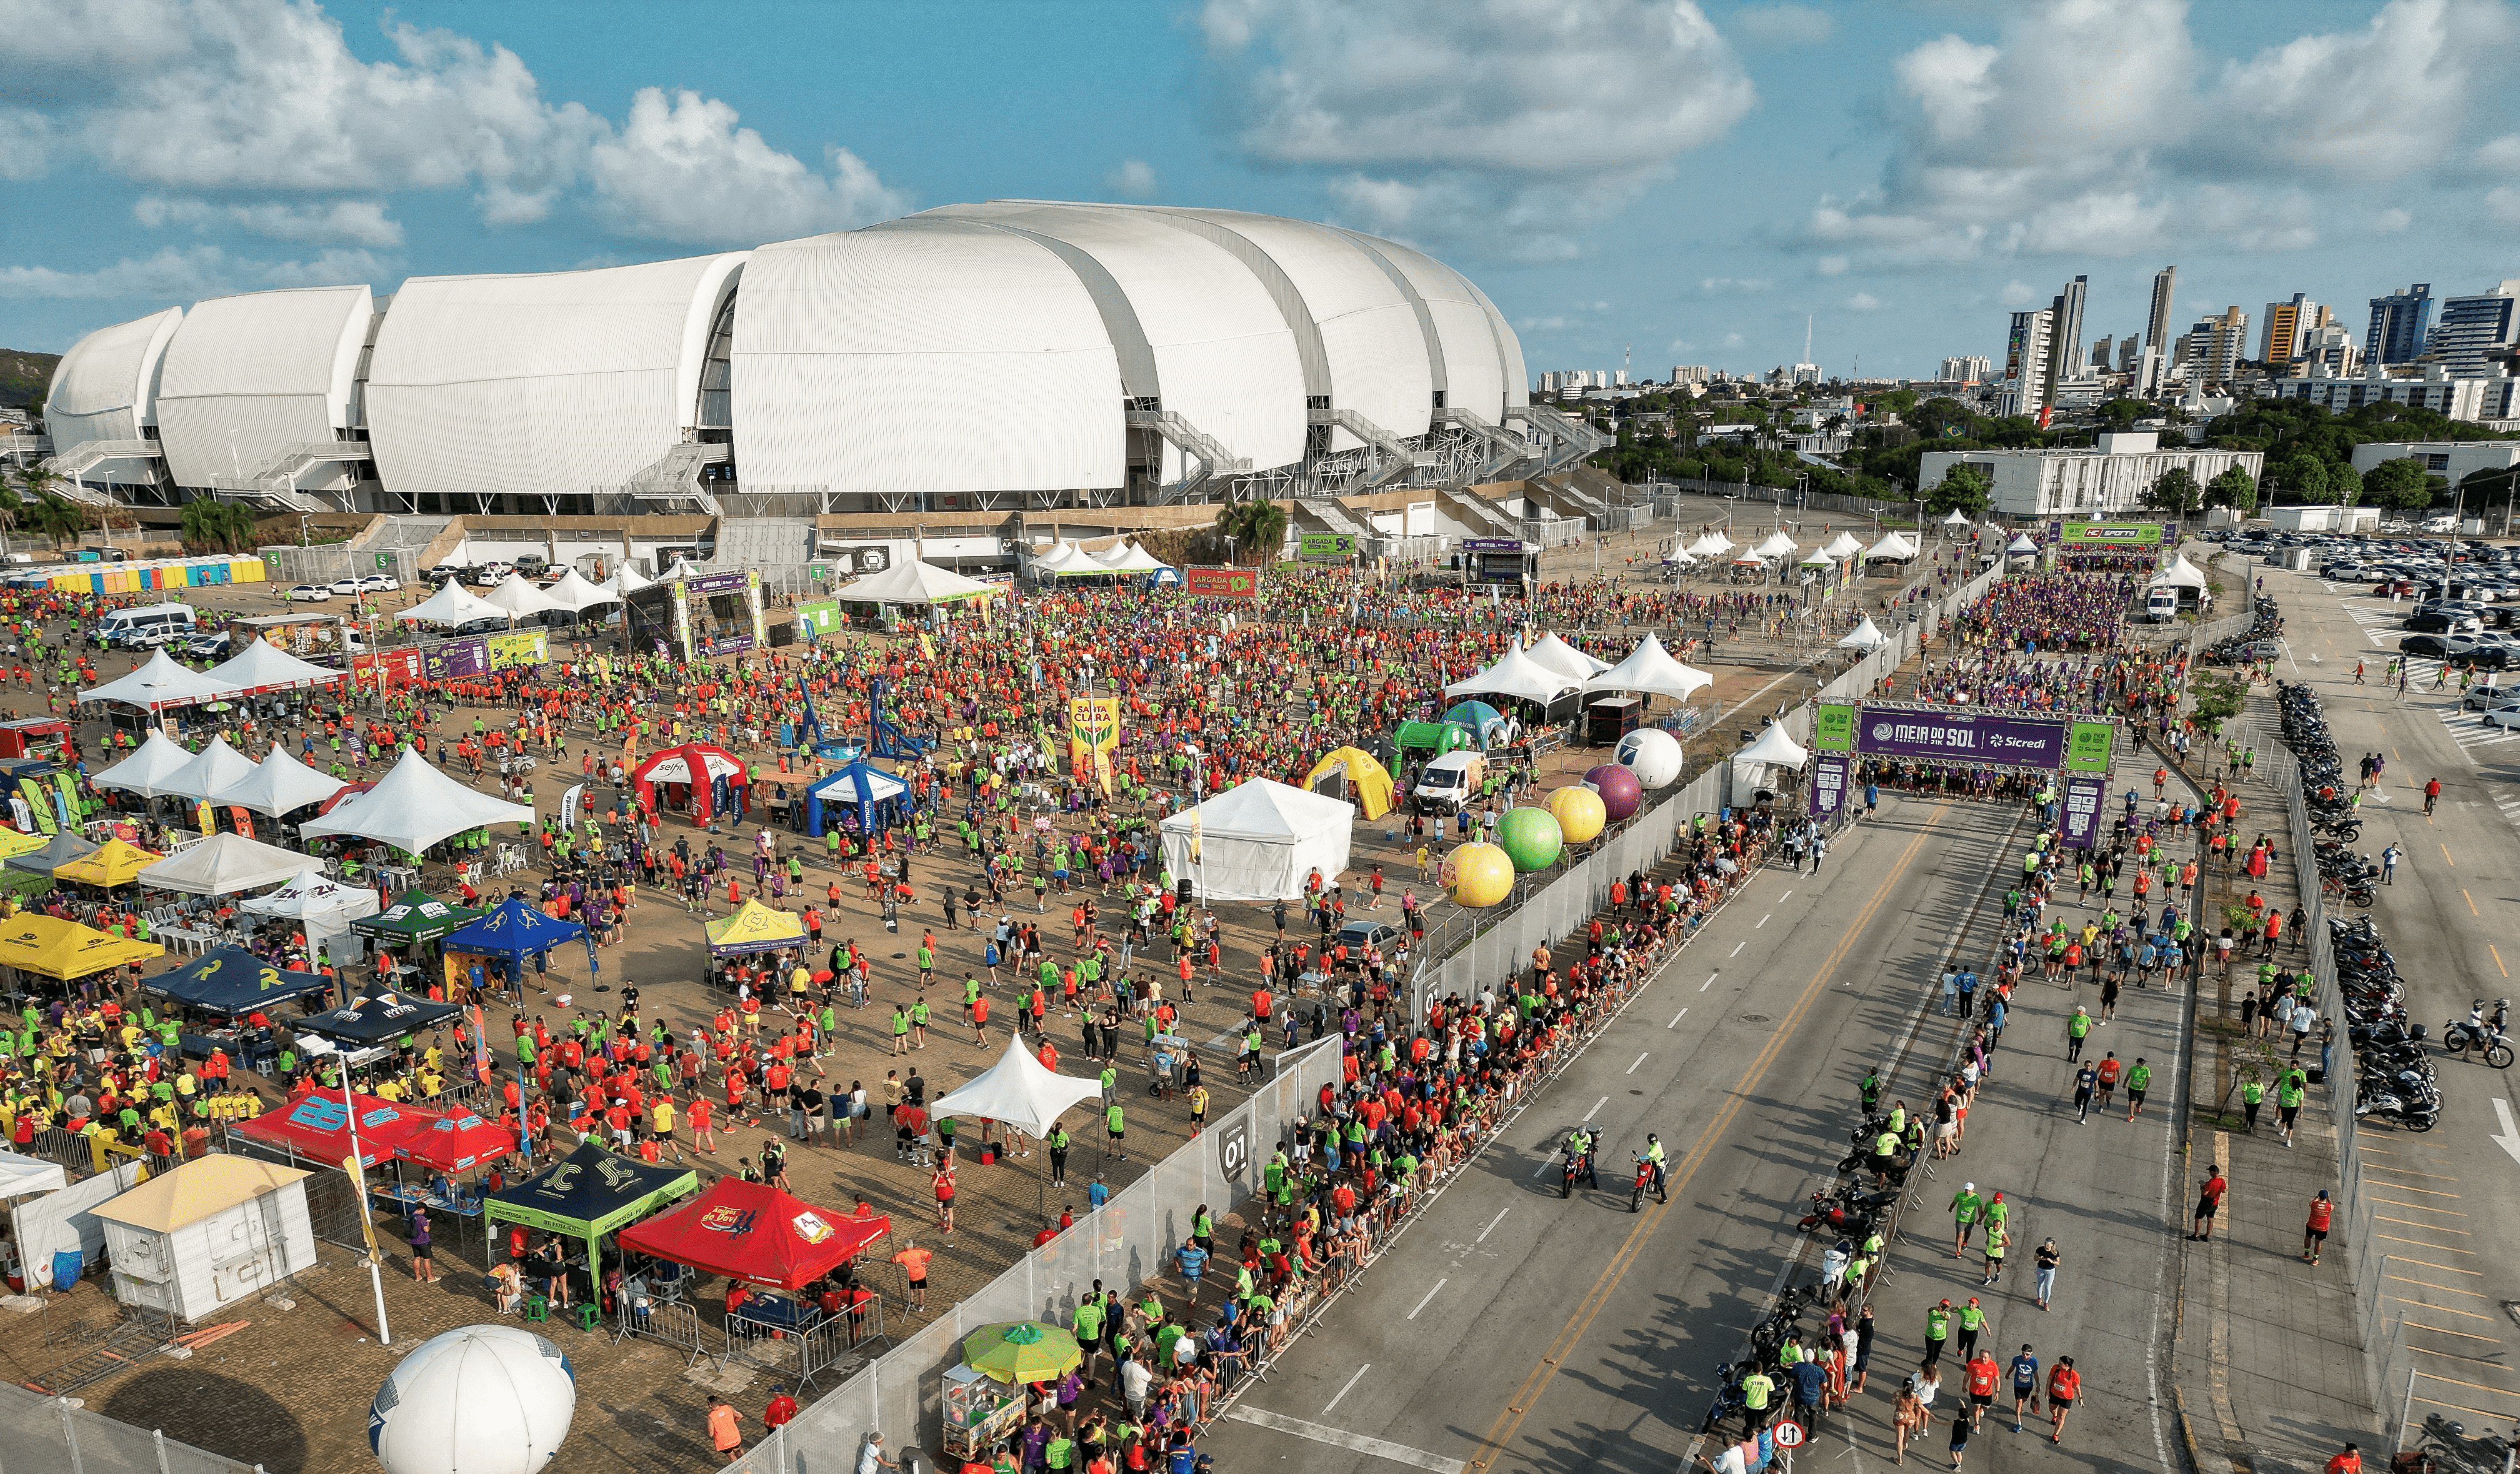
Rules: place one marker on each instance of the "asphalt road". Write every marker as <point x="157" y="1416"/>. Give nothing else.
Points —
<point x="2444" y="1198"/>
<point x="1509" y="1329"/>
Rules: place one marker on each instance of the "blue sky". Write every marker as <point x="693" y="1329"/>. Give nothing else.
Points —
<point x="1690" y="179"/>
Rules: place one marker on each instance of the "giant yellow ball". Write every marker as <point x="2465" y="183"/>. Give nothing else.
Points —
<point x="1580" y="813"/>
<point x="1476" y="876"/>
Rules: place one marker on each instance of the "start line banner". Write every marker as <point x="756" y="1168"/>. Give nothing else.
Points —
<point x="1962" y="734"/>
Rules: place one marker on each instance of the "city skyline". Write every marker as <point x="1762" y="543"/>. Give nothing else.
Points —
<point x="1689" y="197"/>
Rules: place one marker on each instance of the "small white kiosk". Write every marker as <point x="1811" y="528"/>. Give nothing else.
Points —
<point x="217" y="1229"/>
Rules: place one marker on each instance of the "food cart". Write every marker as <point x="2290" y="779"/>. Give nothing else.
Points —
<point x="981" y="1413"/>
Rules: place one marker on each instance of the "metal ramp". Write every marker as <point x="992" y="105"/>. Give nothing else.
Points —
<point x="1397" y="457"/>
<point x="1572" y="499"/>
<point x="1504" y="447"/>
<point x="1194" y="444"/>
<point x="1572" y="439"/>
<point x="764" y="542"/>
<point x="676" y="476"/>
<point x="1483" y="518"/>
<point x="1333" y="518"/>
<point x="274" y="482"/>
<point x="88" y="455"/>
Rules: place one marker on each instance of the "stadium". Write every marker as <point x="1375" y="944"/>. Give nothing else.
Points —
<point x="980" y="359"/>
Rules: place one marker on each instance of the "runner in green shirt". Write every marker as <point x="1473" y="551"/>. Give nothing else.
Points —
<point x="1967" y="1205"/>
<point x="1112" y="1123"/>
<point x="2137" y="1081"/>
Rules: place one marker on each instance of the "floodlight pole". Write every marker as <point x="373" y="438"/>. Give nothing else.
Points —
<point x="358" y="1180"/>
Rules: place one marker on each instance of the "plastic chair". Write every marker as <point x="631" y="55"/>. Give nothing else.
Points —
<point x="537" y="1308"/>
<point x="586" y="1317"/>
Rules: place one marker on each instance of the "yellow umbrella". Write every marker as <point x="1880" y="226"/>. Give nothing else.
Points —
<point x="755" y="928"/>
<point x="54" y="948"/>
<point x="1025" y="1351"/>
<point x="14" y="843"/>
<point x="114" y="863"/>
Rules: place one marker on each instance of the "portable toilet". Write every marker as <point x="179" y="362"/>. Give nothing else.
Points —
<point x="200" y="1238"/>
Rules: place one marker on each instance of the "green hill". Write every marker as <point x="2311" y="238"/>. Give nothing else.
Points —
<point x="24" y="378"/>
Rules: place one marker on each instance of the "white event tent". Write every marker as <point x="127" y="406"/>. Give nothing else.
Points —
<point x="157" y="684"/>
<point x="279" y="785"/>
<point x="518" y="594"/>
<point x="1773" y="749"/>
<point x="573" y="592"/>
<point x="1863" y="637"/>
<point x="217" y="767"/>
<point x="415" y="806"/>
<point x="323" y="906"/>
<point x="222" y="866"/>
<point x="2180" y="574"/>
<point x="1894" y="545"/>
<point x="2022" y="544"/>
<point x="1958" y="518"/>
<point x="1649" y="669"/>
<point x="625" y="581"/>
<point x="1019" y="1090"/>
<point x="913" y="583"/>
<point x="1711" y="545"/>
<point x="1777" y="545"/>
<point x="1516" y="674"/>
<point x="264" y="666"/>
<point x="1844" y="546"/>
<point x="1566" y="659"/>
<point x="146" y="771"/>
<point x="1132" y="559"/>
<point x="1259" y="840"/>
<point x="452" y="604"/>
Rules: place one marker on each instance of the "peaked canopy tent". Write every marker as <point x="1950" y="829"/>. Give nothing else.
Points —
<point x="1777" y="545"/>
<point x="22" y="1175"/>
<point x="15" y="843"/>
<point x="323" y="906"/>
<point x="755" y="1234"/>
<point x="2021" y="545"/>
<point x="50" y="947"/>
<point x="1359" y="777"/>
<point x="452" y="604"/>
<point x="380" y="1017"/>
<point x="576" y="595"/>
<point x="1752" y="558"/>
<point x="624" y="582"/>
<point x="1130" y="559"/>
<point x="589" y="1193"/>
<point x="1709" y="545"/>
<point x="1842" y="546"/>
<point x="218" y="766"/>
<point x="1258" y="841"/>
<point x="415" y="806"/>
<point x="1515" y="675"/>
<point x="519" y="595"/>
<point x="113" y="864"/>
<point x="1894" y="546"/>
<point x="262" y="666"/>
<point x="1565" y="659"/>
<point x="146" y="771"/>
<point x="158" y="684"/>
<point x="232" y="980"/>
<point x="915" y="583"/>
<point x="316" y="1128"/>
<point x="278" y="784"/>
<point x="1650" y="670"/>
<point x="1773" y="749"/>
<point x="1958" y="518"/>
<point x="1863" y="637"/>
<point x="515" y="933"/>
<point x="860" y="786"/>
<point x="457" y="1143"/>
<point x="1819" y="558"/>
<point x="57" y="851"/>
<point x="716" y="780"/>
<point x="754" y="928"/>
<point x="415" y="917"/>
<point x="1019" y="1091"/>
<point x="224" y="864"/>
<point x="2180" y="574"/>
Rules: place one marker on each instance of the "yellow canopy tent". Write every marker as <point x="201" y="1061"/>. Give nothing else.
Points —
<point x="53" y="947"/>
<point x="116" y="864"/>
<point x="755" y="928"/>
<point x="14" y="843"/>
<point x="1366" y="784"/>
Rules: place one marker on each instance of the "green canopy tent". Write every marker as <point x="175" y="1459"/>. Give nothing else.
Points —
<point x="587" y="1195"/>
<point x="416" y="916"/>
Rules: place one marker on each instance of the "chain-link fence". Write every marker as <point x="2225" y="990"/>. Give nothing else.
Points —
<point x="324" y="563"/>
<point x="1126" y="1242"/>
<point x="42" y="1435"/>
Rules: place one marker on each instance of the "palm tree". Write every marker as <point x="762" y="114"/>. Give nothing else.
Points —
<point x="58" y="518"/>
<point x="1257" y="525"/>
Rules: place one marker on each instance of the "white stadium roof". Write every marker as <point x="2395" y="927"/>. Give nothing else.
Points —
<point x="972" y="348"/>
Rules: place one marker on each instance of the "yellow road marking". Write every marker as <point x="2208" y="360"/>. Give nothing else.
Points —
<point x="2419" y="1243"/>
<point x="2416" y="1224"/>
<point x="2434" y="1350"/>
<point x="2446" y="1289"/>
<point x="2426" y="1191"/>
<point x="2463" y="1408"/>
<point x="2445" y="849"/>
<point x="2497" y="960"/>
<point x="2429" y="1265"/>
<point x="1528" y="1395"/>
<point x="2471" y="902"/>
<point x="2444" y="1309"/>
<point x="2445" y="1330"/>
<point x="2434" y="1376"/>
<point x="2412" y="1172"/>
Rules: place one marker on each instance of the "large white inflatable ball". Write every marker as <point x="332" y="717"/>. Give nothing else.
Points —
<point x="1651" y="754"/>
<point x="484" y="1399"/>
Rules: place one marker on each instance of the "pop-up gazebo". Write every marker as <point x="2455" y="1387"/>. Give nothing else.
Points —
<point x="1863" y="637"/>
<point x="589" y="1193"/>
<point x="1650" y="670"/>
<point x="224" y="864"/>
<point x="515" y="933"/>
<point x="232" y="980"/>
<point x="1516" y="674"/>
<point x="754" y="928"/>
<point x="380" y="1017"/>
<point x="416" y="916"/>
<point x="49" y="947"/>
<point x="754" y="1232"/>
<point x="146" y="771"/>
<point x="279" y="785"/>
<point x="1259" y="840"/>
<point x="1019" y="1091"/>
<point x="861" y="785"/>
<point x="701" y="768"/>
<point x="415" y="806"/>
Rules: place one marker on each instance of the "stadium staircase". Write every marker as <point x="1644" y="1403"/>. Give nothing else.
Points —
<point x="1506" y="449"/>
<point x="1571" y="439"/>
<point x="1398" y="456"/>
<point x="1194" y="444"/>
<point x="676" y="476"/>
<point x="1483" y="518"/>
<point x="88" y="455"/>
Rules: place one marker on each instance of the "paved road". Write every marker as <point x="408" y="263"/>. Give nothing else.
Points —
<point x="1509" y="1329"/>
<point x="2446" y="1198"/>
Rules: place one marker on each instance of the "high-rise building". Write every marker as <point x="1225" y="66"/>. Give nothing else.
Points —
<point x="1805" y="374"/>
<point x="1689" y="374"/>
<point x="2064" y="337"/>
<point x="2329" y="350"/>
<point x="2279" y="337"/>
<point x="2025" y="364"/>
<point x="2478" y="333"/>
<point x="2101" y="359"/>
<point x="2397" y="325"/>
<point x="2157" y="327"/>
<point x="2146" y="367"/>
<point x="1969" y="368"/>
<point x="2215" y="345"/>
<point x="2129" y="348"/>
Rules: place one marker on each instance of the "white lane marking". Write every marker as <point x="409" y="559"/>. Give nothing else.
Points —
<point x="1352" y="1380"/>
<point x="1431" y="1295"/>
<point x="1676" y="1018"/>
<point x="1341" y="1438"/>
<point x="1788" y="896"/>
<point x="1596" y="1110"/>
<point x="1710" y="981"/>
<point x="1547" y="1155"/>
<point x="2509" y="1141"/>
<point x="1763" y="921"/>
<point x="1737" y="950"/>
<point x="1492" y="1223"/>
<point x="1640" y="1058"/>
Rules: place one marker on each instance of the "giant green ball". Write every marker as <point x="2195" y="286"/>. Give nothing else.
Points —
<point x="1530" y="838"/>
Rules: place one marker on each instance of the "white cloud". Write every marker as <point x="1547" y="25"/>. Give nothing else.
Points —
<point x="1505" y="122"/>
<point x="1682" y="345"/>
<point x="2391" y="222"/>
<point x="25" y="144"/>
<point x="2505" y="201"/>
<point x="2502" y="154"/>
<point x="1134" y="179"/>
<point x="1733" y="339"/>
<point x="682" y="170"/>
<point x="1540" y="324"/>
<point x="2017" y="294"/>
<point x="1832" y="266"/>
<point x="1733" y="286"/>
<point x="1863" y="301"/>
<point x="186" y="274"/>
<point x="360" y="222"/>
<point x="1781" y="25"/>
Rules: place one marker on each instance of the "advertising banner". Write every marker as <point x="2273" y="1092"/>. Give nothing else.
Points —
<point x="2088" y="536"/>
<point x="1224" y="583"/>
<point x="1961" y="736"/>
<point x="394" y="668"/>
<point x="1327" y="545"/>
<point x="2090" y="747"/>
<point x="520" y="647"/>
<point x="1094" y="723"/>
<point x="858" y="560"/>
<point x="819" y="619"/>
<point x="1829" y="784"/>
<point x="455" y="659"/>
<point x="2083" y="796"/>
<point x="1833" y="730"/>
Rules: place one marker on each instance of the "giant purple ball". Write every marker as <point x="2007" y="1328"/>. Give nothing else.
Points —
<point x="1620" y="791"/>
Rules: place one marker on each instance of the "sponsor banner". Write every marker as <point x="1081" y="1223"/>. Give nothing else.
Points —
<point x="713" y="583"/>
<point x="521" y="647"/>
<point x="1327" y="545"/>
<point x="394" y="668"/>
<point x="2090" y="747"/>
<point x="1094" y="723"/>
<point x="1224" y="583"/>
<point x="1491" y="545"/>
<point x="243" y="819"/>
<point x="2085" y="795"/>
<point x="1829" y="784"/>
<point x="1833" y="730"/>
<point x="568" y="803"/>
<point x="1961" y="736"/>
<point x="818" y="619"/>
<point x="2088" y="536"/>
<point x="858" y="560"/>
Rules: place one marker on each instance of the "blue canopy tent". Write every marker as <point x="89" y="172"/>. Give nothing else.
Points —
<point x="233" y="980"/>
<point x="861" y="785"/>
<point x="513" y="932"/>
<point x="1478" y="716"/>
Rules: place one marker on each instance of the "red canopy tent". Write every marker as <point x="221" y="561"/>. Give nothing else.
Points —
<point x="693" y="764"/>
<point x="317" y="1127"/>
<point x="755" y="1234"/>
<point x="456" y="1143"/>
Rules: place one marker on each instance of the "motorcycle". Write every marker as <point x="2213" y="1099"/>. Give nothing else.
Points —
<point x="1728" y="1399"/>
<point x="2477" y="1033"/>
<point x="1644" y="1180"/>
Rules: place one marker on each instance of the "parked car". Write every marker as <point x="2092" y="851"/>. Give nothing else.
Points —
<point x="2506" y="715"/>
<point x="485" y="625"/>
<point x="2444" y="622"/>
<point x="309" y="594"/>
<point x="207" y="647"/>
<point x="380" y="583"/>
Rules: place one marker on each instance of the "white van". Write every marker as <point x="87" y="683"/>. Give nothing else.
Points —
<point x="1451" y="782"/>
<point x="141" y="628"/>
<point x="2161" y="606"/>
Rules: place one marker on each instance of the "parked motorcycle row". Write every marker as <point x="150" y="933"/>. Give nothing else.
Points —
<point x="2259" y="643"/>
